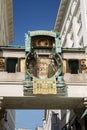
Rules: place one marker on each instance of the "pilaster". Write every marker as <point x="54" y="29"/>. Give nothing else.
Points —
<point x="75" y="31"/>
<point x="83" y="7"/>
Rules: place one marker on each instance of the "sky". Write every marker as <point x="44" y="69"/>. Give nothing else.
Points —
<point x="29" y="119"/>
<point x="31" y="15"/>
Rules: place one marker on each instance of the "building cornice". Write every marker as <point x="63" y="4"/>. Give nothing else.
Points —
<point x="61" y="12"/>
<point x="19" y="48"/>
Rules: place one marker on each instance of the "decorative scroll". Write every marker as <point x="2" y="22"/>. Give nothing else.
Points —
<point x="22" y="65"/>
<point x="64" y="66"/>
<point x="2" y="64"/>
<point x="83" y="66"/>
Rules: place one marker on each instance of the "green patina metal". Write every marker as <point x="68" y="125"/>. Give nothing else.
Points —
<point x="27" y="43"/>
<point x="58" y="45"/>
<point x="43" y="62"/>
<point x="84" y="113"/>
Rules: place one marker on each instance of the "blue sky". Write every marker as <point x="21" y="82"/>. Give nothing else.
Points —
<point x="29" y="118"/>
<point x="30" y="15"/>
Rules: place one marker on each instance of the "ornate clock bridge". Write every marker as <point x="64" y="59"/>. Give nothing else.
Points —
<point x="45" y="84"/>
<point x="43" y="73"/>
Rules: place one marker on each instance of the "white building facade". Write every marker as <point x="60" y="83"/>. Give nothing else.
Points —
<point x="71" y="22"/>
<point x="39" y="128"/>
<point x="6" y="22"/>
<point x="7" y="117"/>
<point x="51" y="120"/>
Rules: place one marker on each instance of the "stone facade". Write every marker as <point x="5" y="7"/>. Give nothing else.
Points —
<point x="6" y="22"/>
<point x="71" y="22"/>
<point x="39" y="128"/>
<point x="7" y="117"/>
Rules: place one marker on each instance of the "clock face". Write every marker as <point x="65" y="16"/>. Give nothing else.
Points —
<point x="43" y="66"/>
<point x="42" y="41"/>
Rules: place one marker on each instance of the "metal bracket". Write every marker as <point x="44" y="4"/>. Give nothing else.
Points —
<point x="85" y="105"/>
<point x="1" y="102"/>
<point x="2" y="110"/>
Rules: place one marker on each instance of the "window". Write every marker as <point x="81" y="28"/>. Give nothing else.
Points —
<point x="73" y="66"/>
<point x="11" y="66"/>
<point x="54" y="118"/>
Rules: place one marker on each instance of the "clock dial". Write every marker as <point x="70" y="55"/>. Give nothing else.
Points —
<point x="43" y="66"/>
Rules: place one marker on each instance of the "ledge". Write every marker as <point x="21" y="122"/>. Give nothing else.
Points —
<point x="75" y="78"/>
<point x="80" y="78"/>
